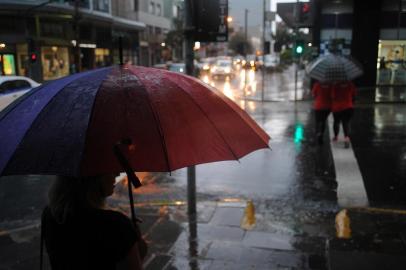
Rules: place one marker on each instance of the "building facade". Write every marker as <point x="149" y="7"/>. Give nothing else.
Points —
<point x="46" y="42"/>
<point x="373" y="32"/>
<point x="157" y="16"/>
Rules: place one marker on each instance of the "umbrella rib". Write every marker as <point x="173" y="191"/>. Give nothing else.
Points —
<point x="204" y="113"/>
<point x="238" y="113"/>
<point x="158" y="123"/>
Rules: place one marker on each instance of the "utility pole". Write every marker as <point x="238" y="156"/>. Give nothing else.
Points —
<point x="76" y="27"/>
<point x="263" y="53"/>
<point x="189" y="57"/>
<point x="245" y="52"/>
<point x="296" y="36"/>
<point x="32" y="45"/>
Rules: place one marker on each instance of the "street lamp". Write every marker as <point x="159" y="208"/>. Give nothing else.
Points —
<point x="196" y="46"/>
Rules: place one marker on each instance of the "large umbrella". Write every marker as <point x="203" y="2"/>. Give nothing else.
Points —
<point x="333" y="68"/>
<point x="70" y="126"/>
<point x="75" y="126"/>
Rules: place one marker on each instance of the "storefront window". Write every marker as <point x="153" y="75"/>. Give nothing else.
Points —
<point x="102" y="57"/>
<point x="55" y="62"/>
<point x="7" y="64"/>
<point x="101" y="5"/>
<point x="391" y="68"/>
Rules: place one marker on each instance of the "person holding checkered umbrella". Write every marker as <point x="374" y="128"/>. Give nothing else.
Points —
<point x="338" y="72"/>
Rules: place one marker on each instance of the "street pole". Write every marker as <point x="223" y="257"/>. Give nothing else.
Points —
<point x="29" y="66"/>
<point x="296" y="33"/>
<point x="76" y="18"/>
<point x="245" y="51"/>
<point x="189" y="57"/>
<point x="263" y="53"/>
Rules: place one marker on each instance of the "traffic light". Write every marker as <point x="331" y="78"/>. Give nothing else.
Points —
<point x="32" y="51"/>
<point x="299" y="133"/>
<point x="33" y="57"/>
<point x="299" y="47"/>
<point x="303" y="16"/>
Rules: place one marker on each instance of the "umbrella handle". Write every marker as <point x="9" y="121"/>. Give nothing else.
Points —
<point x="125" y="164"/>
<point x="131" y="176"/>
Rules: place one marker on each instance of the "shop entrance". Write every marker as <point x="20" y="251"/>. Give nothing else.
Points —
<point x="87" y="55"/>
<point x="391" y="67"/>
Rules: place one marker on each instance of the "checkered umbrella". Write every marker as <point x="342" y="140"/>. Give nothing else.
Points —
<point x="332" y="68"/>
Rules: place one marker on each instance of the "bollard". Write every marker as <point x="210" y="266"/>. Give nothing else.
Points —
<point x="343" y="228"/>
<point x="248" y="220"/>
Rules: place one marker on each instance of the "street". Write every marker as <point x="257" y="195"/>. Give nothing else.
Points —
<point x="292" y="187"/>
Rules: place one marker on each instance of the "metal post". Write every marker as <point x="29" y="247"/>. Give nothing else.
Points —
<point x="120" y="49"/>
<point x="28" y="66"/>
<point x="296" y="35"/>
<point x="189" y="57"/>
<point x="263" y="53"/>
<point x="245" y="51"/>
<point x="296" y="81"/>
<point x="191" y="190"/>
<point x="335" y="24"/>
<point x="76" y="18"/>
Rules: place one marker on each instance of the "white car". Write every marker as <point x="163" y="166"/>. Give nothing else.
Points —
<point x="271" y="61"/>
<point x="222" y="68"/>
<point x="12" y="87"/>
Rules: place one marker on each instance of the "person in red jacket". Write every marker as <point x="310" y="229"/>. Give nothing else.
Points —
<point x="322" y="106"/>
<point x="342" y="106"/>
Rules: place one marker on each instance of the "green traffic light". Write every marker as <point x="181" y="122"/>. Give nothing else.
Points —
<point x="299" y="49"/>
<point x="299" y="133"/>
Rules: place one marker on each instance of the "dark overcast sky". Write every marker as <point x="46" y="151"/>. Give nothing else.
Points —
<point x="255" y="7"/>
<point x="237" y="7"/>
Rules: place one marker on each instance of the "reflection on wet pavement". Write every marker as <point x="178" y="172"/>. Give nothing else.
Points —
<point x="379" y="136"/>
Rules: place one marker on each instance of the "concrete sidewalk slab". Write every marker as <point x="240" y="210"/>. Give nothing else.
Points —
<point x="228" y="216"/>
<point x="268" y="240"/>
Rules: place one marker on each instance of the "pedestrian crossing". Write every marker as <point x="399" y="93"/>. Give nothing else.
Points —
<point x="351" y="190"/>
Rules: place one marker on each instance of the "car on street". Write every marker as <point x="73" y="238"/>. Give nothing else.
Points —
<point x="237" y="61"/>
<point x="161" y="66"/>
<point x="270" y="61"/>
<point x="205" y="64"/>
<point x="177" y="67"/>
<point x="252" y="62"/>
<point x="12" y="87"/>
<point x="222" y="69"/>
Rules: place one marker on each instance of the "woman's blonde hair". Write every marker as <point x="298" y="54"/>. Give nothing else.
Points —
<point x="68" y="195"/>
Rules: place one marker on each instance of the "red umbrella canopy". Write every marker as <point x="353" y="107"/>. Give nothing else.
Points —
<point x="70" y="126"/>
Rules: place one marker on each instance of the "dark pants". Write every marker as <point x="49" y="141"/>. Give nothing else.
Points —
<point x="343" y="117"/>
<point x="321" y="117"/>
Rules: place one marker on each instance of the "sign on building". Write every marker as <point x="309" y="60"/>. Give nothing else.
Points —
<point x="210" y="20"/>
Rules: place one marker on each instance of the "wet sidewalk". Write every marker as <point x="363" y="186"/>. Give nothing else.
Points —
<point x="226" y="235"/>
